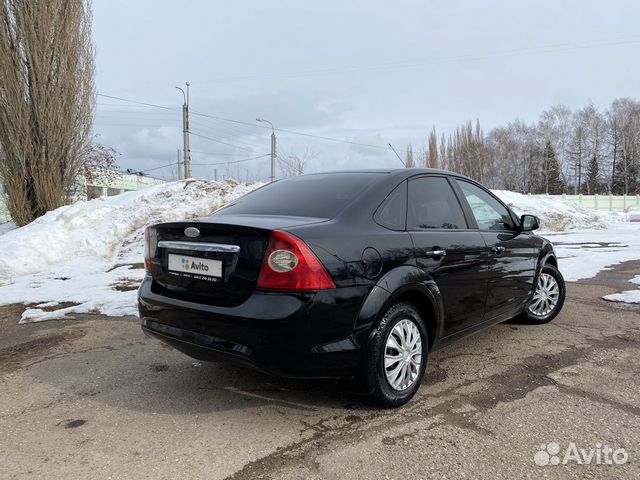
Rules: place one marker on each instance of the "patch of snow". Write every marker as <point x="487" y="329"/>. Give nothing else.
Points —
<point x="90" y="253"/>
<point x="583" y="253"/>
<point x="559" y="215"/>
<point x="628" y="296"/>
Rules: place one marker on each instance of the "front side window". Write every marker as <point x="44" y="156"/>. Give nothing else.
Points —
<point x="489" y="213"/>
<point x="433" y="204"/>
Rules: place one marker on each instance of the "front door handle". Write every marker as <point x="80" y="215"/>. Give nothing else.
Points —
<point x="435" y="253"/>
<point x="498" y="250"/>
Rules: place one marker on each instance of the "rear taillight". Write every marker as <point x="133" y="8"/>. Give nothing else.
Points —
<point x="289" y="264"/>
<point x="148" y="265"/>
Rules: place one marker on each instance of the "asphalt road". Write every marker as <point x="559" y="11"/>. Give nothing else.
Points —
<point x="94" y="398"/>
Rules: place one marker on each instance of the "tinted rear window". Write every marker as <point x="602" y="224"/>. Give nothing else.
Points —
<point x="318" y="195"/>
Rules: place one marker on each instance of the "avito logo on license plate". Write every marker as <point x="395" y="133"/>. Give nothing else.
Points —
<point x="195" y="267"/>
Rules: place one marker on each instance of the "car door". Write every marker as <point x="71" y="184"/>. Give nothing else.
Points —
<point x="446" y="248"/>
<point x="512" y="253"/>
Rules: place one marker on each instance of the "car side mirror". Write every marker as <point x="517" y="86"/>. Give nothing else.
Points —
<point x="529" y="223"/>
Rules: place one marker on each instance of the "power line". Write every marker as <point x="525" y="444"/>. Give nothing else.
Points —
<point x="214" y="154"/>
<point x="240" y="122"/>
<point x="234" y="136"/>
<point x="293" y="132"/>
<point x="222" y="142"/>
<point x="550" y="48"/>
<point x="235" y="161"/>
<point x="393" y="66"/>
<point x="158" y="168"/>
<point x="205" y="164"/>
<point x="136" y="102"/>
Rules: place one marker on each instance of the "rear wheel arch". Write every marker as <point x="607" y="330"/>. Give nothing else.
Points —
<point x="425" y="306"/>
<point x="406" y="283"/>
<point x="418" y="295"/>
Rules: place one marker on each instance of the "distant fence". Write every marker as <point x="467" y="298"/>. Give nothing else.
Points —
<point x="611" y="203"/>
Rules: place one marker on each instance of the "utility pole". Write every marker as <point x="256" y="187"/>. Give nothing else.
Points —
<point x="179" y="166"/>
<point x="273" y="147"/>
<point x="185" y="132"/>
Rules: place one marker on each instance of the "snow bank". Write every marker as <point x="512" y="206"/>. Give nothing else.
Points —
<point x="97" y="227"/>
<point x="559" y="215"/>
<point x="87" y="257"/>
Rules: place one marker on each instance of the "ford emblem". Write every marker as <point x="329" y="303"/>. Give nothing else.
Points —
<point x="192" y="232"/>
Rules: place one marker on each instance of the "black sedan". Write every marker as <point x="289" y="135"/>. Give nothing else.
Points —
<point x="347" y="274"/>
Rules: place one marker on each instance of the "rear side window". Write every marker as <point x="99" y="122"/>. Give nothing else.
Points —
<point x="489" y="213"/>
<point x="317" y="195"/>
<point x="432" y="204"/>
<point x="392" y="213"/>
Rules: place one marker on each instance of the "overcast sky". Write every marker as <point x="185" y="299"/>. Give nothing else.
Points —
<point x="368" y="72"/>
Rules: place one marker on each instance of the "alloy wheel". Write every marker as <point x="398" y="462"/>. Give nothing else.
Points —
<point x="546" y="296"/>
<point x="403" y="355"/>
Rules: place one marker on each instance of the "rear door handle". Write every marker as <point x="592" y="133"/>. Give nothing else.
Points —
<point x="435" y="253"/>
<point x="498" y="250"/>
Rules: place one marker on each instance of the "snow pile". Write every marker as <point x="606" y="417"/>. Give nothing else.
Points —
<point x="558" y="215"/>
<point x="633" y="215"/>
<point x="628" y="296"/>
<point x="87" y="257"/>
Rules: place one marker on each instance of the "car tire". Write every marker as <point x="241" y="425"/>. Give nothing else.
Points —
<point x="396" y="383"/>
<point x="546" y="283"/>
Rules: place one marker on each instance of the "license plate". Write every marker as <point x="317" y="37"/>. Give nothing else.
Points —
<point x="195" y="267"/>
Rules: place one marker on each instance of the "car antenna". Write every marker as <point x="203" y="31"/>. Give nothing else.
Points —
<point x="399" y="158"/>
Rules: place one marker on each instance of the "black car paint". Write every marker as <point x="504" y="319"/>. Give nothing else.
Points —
<point x="326" y="333"/>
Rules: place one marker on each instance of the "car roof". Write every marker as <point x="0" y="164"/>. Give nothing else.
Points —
<point x="397" y="172"/>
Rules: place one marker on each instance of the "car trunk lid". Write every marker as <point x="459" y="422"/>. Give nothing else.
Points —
<point x="219" y="263"/>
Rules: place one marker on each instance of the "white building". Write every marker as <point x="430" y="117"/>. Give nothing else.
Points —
<point x="122" y="182"/>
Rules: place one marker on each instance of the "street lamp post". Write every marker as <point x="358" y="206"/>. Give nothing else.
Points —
<point x="273" y="147"/>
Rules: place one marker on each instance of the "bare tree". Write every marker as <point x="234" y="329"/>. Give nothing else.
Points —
<point x="99" y="164"/>
<point x="555" y="126"/>
<point x="590" y="150"/>
<point x="296" y="163"/>
<point x="432" y="150"/>
<point x="409" y="161"/>
<point x="46" y="101"/>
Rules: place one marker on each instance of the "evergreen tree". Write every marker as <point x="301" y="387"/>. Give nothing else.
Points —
<point x="554" y="184"/>
<point x="618" y="178"/>
<point x="593" y="174"/>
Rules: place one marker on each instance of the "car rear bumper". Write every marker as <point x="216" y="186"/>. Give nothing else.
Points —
<point x="294" y="335"/>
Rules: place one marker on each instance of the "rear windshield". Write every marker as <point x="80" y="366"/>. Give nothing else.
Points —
<point x="317" y="195"/>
